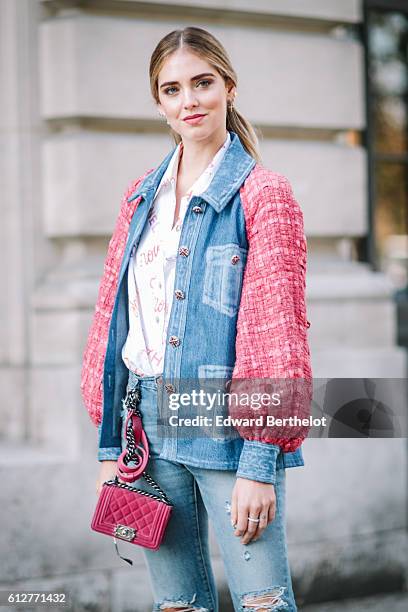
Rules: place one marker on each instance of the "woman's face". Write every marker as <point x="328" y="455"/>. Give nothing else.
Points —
<point x="187" y="86"/>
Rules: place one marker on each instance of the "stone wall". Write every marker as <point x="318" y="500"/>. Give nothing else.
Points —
<point x="77" y="125"/>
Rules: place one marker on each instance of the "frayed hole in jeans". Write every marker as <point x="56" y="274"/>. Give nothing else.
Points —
<point x="265" y="602"/>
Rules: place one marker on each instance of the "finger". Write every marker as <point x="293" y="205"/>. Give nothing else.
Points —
<point x="242" y="520"/>
<point x="263" y="523"/>
<point x="272" y="512"/>
<point x="250" y="532"/>
<point x="252" y="526"/>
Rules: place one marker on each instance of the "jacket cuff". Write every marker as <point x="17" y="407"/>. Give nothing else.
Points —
<point x="109" y="453"/>
<point x="258" y="461"/>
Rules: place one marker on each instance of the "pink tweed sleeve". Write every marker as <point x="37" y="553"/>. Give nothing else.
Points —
<point x="272" y="349"/>
<point x="95" y="348"/>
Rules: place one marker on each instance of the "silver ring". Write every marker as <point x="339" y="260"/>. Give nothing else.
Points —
<point x="253" y="520"/>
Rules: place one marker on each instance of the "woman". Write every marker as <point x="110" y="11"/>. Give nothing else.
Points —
<point x="204" y="279"/>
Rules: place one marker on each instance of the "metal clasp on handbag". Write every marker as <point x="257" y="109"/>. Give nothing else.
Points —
<point x="124" y="532"/>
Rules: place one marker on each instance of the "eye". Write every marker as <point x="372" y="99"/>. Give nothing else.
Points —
<point x="167" y="90"/>
<point x="205" y="81"/>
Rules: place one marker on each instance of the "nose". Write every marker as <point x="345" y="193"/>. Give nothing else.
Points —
<point x="189" y="99"/>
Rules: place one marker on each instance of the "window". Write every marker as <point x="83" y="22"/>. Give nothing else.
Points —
<point x="386" y="42"/>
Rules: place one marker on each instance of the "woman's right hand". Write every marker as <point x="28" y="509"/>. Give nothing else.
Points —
<point x="106" y="472"/>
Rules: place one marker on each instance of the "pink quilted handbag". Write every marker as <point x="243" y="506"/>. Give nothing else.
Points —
<point x="122" y="511"/>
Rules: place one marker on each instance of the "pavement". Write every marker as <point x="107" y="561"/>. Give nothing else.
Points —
<point x="396" y="602"/>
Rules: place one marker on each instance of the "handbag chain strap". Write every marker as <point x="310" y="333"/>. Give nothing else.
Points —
<point x="163" y="497"/>
<point x="131" y="401"/>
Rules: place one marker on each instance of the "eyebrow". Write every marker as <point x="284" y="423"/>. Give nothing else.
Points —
<point x="194" y="78"/>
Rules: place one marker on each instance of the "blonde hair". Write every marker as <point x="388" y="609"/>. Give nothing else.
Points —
<point x="209" y="48"/>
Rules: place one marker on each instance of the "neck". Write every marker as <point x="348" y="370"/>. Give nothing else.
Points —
<point x="198" y="154"/>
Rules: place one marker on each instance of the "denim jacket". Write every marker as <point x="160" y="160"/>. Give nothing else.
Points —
<point x="231" y="322"/>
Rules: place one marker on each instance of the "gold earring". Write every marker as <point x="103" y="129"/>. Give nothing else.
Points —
<point x="231" y="103"/>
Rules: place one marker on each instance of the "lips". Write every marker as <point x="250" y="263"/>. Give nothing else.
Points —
<point x="193" y="117"/>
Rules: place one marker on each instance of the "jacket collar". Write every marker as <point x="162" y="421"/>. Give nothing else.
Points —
<point x="233" y="170"/>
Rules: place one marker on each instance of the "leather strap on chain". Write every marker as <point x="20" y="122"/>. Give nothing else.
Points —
<point x="137" y="447"/>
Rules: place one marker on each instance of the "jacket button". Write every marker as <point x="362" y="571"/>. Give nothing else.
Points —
<point x="170" y="388"/>
<point x="197" y="209"/>
<point x="308" y="324"/>
<point x="235" y="259"/>
<point x="185" y="251"/>
<point x="179" y="294"/>
<point x="174" y="341"/>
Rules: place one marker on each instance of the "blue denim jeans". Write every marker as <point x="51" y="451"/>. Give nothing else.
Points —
<point x="180" y="570"/>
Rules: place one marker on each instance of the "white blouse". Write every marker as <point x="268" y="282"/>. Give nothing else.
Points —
<point x="151" y="270"/>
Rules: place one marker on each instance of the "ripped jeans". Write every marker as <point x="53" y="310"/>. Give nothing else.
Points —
<point x="180" y="570"/>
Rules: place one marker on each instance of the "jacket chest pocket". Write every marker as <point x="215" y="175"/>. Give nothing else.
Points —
<point x="224" y="270"/>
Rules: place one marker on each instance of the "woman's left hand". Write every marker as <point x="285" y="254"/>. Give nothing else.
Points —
<point x="254" y="499"/>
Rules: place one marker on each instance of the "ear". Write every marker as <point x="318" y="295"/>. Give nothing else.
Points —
<point x="160" y="109"/>
<point x="231" y="90"/>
